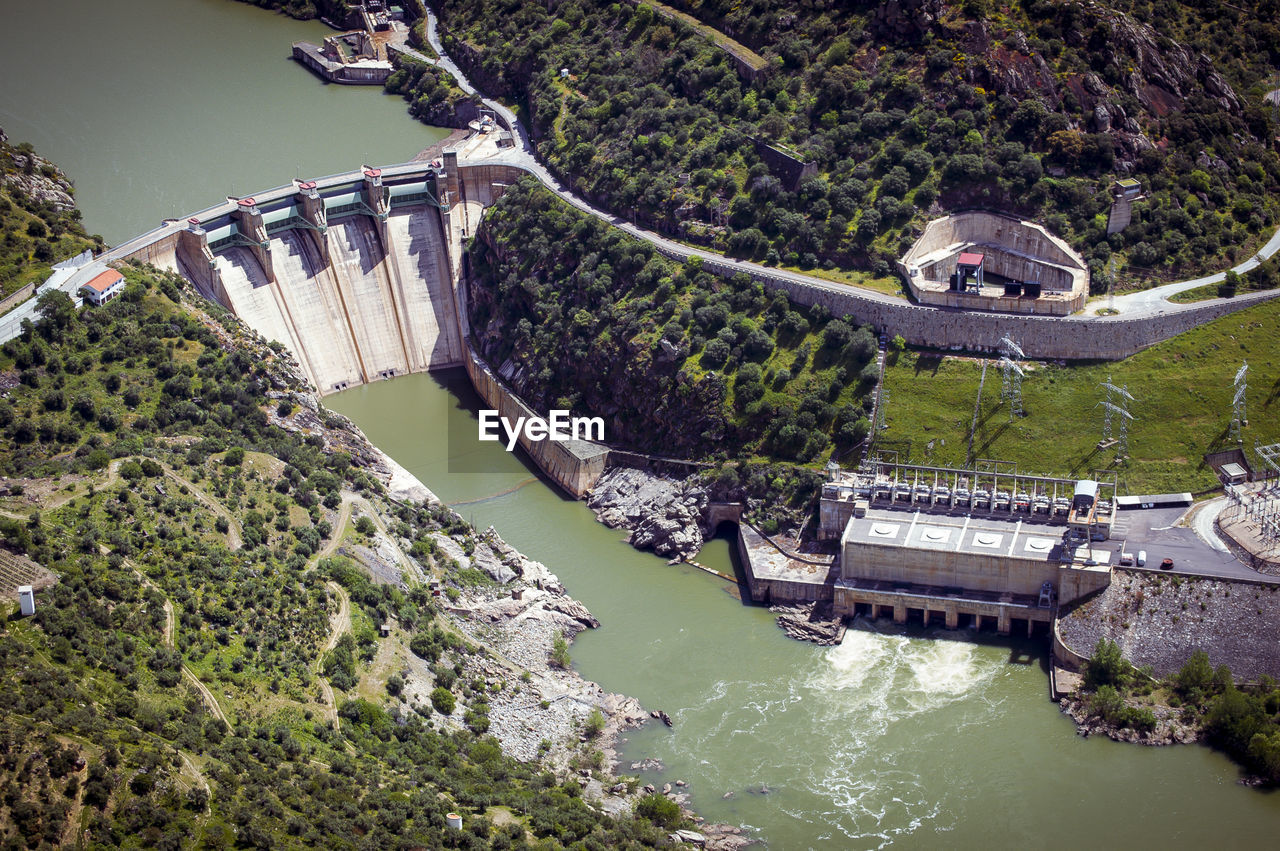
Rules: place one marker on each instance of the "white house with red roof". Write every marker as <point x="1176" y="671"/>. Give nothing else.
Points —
<point x="104" y="287"/>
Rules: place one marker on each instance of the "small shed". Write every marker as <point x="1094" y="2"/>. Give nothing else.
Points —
<point x="26" y="600"/>
<point x="969" y="269"/>
<point x="1127" y="188"/>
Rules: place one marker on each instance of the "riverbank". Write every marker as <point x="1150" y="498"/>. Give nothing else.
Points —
<point x="515" y="611"/>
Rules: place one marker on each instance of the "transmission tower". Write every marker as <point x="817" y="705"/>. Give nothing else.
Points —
<point x="1238" y="417"/>
<point x="1010" y="354"/>
<point x="1113" y="405"/>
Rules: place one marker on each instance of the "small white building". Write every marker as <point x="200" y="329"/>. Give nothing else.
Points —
<point x="104" y="287"/>
<point x="26" y="600"/>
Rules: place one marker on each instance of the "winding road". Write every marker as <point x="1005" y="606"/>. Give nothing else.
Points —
<point x="1141" y="319"/>
<point x="1142" y="305"/>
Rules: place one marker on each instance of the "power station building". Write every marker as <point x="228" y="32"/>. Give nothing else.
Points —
<point x="961" y="547"/>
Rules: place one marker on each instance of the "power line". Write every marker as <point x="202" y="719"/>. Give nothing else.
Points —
<point x="1239" y="417"/>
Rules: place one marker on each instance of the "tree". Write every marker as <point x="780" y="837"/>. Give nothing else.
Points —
<point x="560" y="652"/>
<point x="659" y="809"/>
<point x="1107" y="667"/>
<point x="595" y="723"/>
<point x="1195" y="679"/>
<point x="56" y="309"/>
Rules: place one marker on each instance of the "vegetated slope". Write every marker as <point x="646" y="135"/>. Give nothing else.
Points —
<point x="906" y="109"/>
<point x="39" y="222"/>
<point x="1196" y="700"/>
<point x="127" y="435"/>
<point x="676" y="360"/>
<point x="1183" y="389"/>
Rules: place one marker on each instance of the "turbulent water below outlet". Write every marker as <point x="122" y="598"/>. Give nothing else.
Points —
<point x="895" y="737"/>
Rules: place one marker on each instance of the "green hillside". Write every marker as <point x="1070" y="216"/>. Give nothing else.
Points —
<point x="1183" y="391"/>
<point x="905" y="110"/>
<point x="206" y="670"/>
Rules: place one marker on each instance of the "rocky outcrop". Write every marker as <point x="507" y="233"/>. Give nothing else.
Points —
<point x="810" y="622"/>
<point x="455" y="114"/>
<point x="1169" y="728"/>
<point x="664" y="515"/>
<point x="905" y="20"/>
<point x="35" y="177"/>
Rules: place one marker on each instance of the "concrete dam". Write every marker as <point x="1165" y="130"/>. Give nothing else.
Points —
<point x="355" y="280"/>
<point x="359" y="276"/>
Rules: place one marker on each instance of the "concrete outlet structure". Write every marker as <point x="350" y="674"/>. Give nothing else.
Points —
<point x="985" y="261"/>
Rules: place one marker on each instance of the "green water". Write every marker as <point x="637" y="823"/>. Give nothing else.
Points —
<point x="892" y="738"/>
<point x="158" y="108"/>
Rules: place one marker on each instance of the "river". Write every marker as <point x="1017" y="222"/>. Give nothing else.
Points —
<point x="911" y="738"/>
<point x="907" y="736"/>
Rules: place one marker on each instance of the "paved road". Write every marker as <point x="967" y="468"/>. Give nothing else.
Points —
<point x="1158" y="531"/>
<point x="1156" y="299"/>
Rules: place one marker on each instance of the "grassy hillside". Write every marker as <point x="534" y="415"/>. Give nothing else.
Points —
<point x="677" y="360"/>
<point x="207" y="670"/>
<point x="1182" y="386"/>
<point x="39" y="223"/>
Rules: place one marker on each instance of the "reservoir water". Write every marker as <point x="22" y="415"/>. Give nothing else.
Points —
<point x="161" y="107"/>
<point x="158" y="108"/>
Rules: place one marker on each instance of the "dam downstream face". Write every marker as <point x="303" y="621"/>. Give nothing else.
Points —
<point x="891" y="738"/>
<point x="158" y="108"/>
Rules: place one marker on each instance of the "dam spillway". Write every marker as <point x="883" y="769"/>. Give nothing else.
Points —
<point x="354" y="278"/>
<point x="248" y="292"/>
<point x="358" y="261"/>
<point x="420" y="257"/>
<point x="321" y="339"/>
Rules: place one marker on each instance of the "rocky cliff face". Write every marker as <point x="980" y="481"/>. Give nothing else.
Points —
<point x="30" y="174"/>
<point x="648" y="403"/>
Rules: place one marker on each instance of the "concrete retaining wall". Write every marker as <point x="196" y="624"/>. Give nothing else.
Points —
<point x="1042" y="337"/>
<point x="1059" y="304"/>
<point x="575" y="466"/>
<point x="1065" y="656"/>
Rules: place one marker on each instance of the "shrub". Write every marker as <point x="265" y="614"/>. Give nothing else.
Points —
<point x="560" y="652"/>
<point x="443" y="700"/>
<point x="659" y="809"/>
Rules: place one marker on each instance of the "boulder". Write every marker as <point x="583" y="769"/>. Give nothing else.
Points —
<point x="574" y="609"/>
<point x="484" y="559"/>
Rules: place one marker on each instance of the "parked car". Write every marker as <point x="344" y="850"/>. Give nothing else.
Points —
<point x="1142" y="557"/>
<point x="1167" y="564"/>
